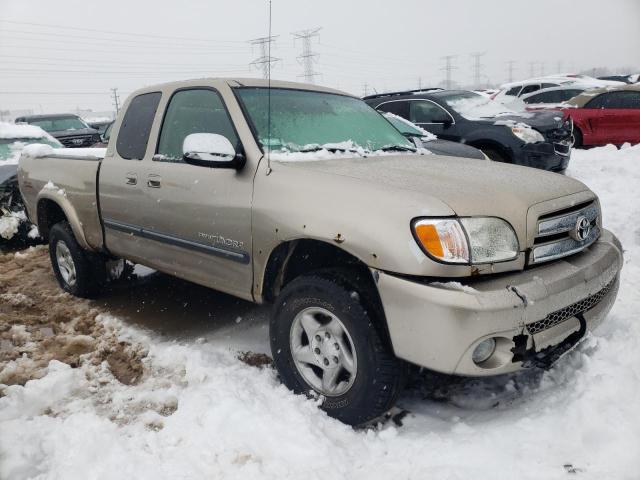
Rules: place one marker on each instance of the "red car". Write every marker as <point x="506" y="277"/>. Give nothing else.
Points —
<point x="606" y="115"/>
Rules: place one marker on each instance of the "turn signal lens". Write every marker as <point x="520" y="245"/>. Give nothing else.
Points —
<point x="443" y="239"/>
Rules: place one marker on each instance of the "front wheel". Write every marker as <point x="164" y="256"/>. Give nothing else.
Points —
<point x="324" y="340"/>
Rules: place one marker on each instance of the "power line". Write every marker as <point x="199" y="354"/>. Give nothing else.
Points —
<point x="113" y="32"/>
<point x="308" y="57"/>
<point x="448" y="68"/>
<point x="265" y="60"/>
<point x="510" y="69"/>
<point x="116" y="99"/>
<point x="477" y="67"/>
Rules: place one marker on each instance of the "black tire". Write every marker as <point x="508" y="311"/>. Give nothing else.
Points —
<point x="495" y="155"/>
<point x="379" y="376"/>
<point x="577" y="137"/>
<point x="90" y="272"/>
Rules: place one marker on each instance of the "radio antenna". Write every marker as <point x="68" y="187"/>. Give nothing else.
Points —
<point x="269" y="96"/>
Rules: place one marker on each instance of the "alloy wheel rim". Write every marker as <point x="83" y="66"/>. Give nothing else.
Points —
<point x="65" y="263"/>
<point x="323" y="351"/>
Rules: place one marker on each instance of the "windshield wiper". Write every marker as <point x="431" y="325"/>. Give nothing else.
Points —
<point x="398" y="148"/>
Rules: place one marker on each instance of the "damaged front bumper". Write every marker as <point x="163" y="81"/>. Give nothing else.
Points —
<point x="533" y="315"/>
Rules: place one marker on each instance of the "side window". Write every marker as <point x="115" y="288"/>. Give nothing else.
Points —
<point x="569" y="94"/>
<point x="193" y="111"/>
<point x="427" y="112"/>
<point x="397" y="108"/>
<point x="514" y="91"/>
<point x="136" y="125"/>
<point x="544" y="97"/>
<point x="623" y="100"/>
<point x="597" y="102"/>
<point x="549" y="85"/>
<point x="530" y="89"/>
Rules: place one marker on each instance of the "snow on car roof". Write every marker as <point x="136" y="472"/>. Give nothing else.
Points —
<point x="17" y="131"/>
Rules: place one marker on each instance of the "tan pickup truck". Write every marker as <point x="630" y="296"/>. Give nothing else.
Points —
<point x="374" y="253"/>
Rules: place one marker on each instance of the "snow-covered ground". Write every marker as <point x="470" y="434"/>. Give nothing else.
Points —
<point x="200" y="413"/>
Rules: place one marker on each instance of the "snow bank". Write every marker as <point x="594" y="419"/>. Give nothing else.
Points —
<point x="200" y="413"/>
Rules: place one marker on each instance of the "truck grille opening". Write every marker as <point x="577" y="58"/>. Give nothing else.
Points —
<point x="559" y="316"/>
<point x="565" y="232"/>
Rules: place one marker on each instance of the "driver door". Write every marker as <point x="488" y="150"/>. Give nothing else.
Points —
<point x="198" y="218"/>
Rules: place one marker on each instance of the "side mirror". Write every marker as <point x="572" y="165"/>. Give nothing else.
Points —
<point x="210" y="150"/>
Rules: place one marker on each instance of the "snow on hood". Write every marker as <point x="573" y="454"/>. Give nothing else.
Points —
<point x="17" y="131"/>
<point x="329" y="151"/>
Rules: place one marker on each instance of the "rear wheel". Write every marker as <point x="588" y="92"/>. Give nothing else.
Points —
<point x="324" y="340"/>
<point x="78" y="272"/>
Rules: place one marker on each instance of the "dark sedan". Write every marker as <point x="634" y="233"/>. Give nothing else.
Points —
<point x="69" y="129"/>
<point x="534" y="139"/>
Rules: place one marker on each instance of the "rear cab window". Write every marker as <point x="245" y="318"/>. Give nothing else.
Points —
<point x="133" y="135"/>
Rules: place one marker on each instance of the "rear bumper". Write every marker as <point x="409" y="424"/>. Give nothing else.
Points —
<point x="545" y="156"/>
<point x="438" y="326"/>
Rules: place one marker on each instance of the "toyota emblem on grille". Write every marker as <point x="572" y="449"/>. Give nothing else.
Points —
<point x="582" y="229"/>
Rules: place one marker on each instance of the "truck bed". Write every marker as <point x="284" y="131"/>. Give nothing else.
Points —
<point x="67" y="177"/>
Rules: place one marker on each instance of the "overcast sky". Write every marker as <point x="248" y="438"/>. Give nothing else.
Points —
<point x="57" y="55"/>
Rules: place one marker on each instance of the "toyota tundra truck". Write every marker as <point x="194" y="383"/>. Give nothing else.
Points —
<point x="374" y="254"/>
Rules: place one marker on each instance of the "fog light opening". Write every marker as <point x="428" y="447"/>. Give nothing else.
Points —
<point x="484" y="350"/>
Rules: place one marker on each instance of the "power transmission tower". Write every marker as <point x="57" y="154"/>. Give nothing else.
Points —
<point x="265" y="60"/>
<point x="365" y="89"/>
<point x="510" y="65"/>
<point x="116" y="99"/>
<point x="542" y="69"/>
<point x="560" y="66"/>
<point x="477" y="68"/>
<point x="532" y="69"/>
<point x="448" y="68"/>
<point x="308" y="57"/>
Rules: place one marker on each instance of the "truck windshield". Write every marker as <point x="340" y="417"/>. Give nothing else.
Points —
<point x="307" y="121"/>
<point x="59" y="124"/>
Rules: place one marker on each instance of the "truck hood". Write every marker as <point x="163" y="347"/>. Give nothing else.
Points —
<point x="74" y="133"/>
<point x="468" y="186"/>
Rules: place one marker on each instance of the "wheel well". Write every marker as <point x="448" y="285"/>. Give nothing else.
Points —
<point x="292" y="259"/>
<point x="491" y="145"/>
<point x="298" y="257"/>
<point x="49" y="213"/>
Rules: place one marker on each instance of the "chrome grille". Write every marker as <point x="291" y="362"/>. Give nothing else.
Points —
<point x="559" y="316"/>
<point x="77" y="141"/>
<point x="561" y="235"/>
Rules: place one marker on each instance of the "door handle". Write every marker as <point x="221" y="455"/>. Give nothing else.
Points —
<point x="153" y="181"/>
<point x="131" y="178"/>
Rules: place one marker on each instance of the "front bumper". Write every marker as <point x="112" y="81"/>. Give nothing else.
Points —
<point x="545" y="156"/>
<point x="438" y="325"/>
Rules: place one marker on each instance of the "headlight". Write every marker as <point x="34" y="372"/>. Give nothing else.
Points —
<point x="470" y="240"/>
<point x="527" y="134"/>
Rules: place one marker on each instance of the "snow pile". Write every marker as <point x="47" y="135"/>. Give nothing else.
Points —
<point x="10" y="223"/>
<point x="198" y="412"/>
<point x="426" y="136"/>
<point x="10" y="130"/>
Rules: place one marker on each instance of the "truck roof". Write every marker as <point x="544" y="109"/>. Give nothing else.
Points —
<point x="237" y="82"/>
<point x="47" y="116"/>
